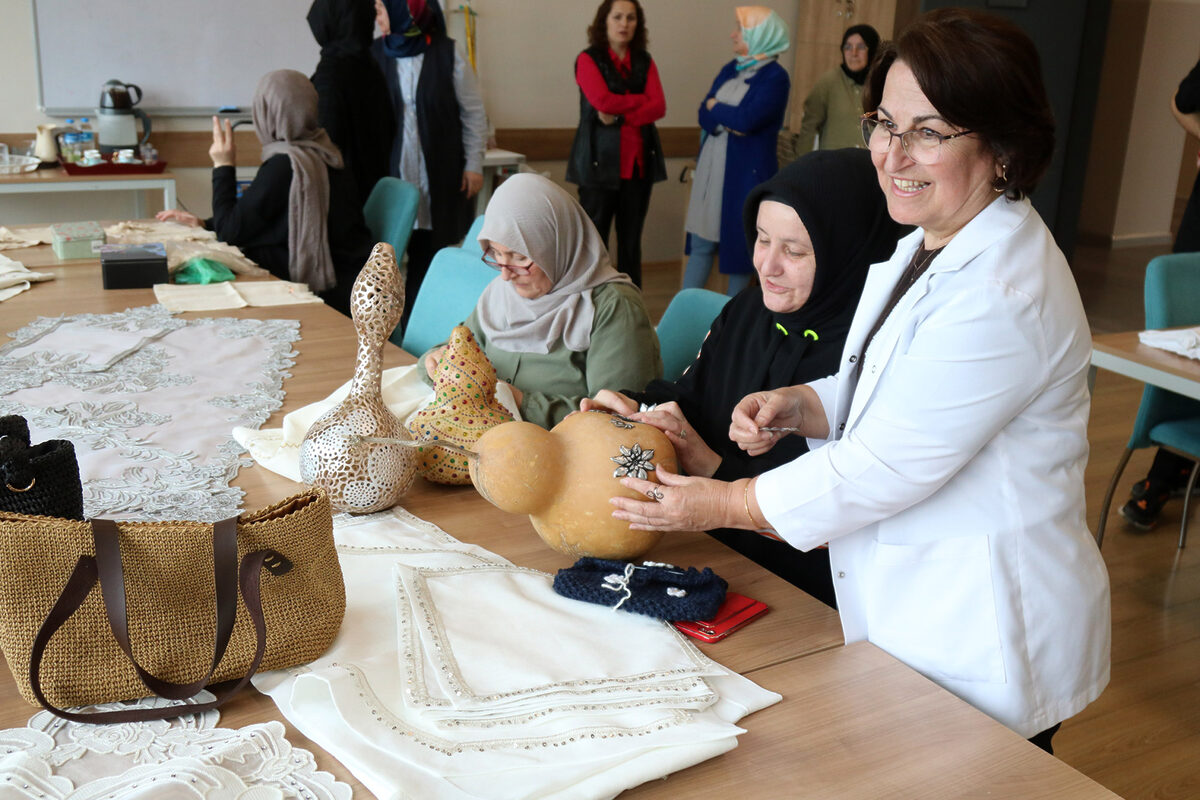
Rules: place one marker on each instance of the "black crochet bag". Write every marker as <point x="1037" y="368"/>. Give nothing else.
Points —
<point x="656" y="590"/>
<point x="42" y="479"/>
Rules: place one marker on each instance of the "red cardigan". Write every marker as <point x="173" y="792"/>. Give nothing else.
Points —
<point x="637" y="109"/>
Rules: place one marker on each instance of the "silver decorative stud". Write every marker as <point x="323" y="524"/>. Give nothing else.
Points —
<point x="633" y="461"/>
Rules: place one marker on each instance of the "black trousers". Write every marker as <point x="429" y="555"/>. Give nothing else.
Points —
<point x="628" y="204"/>
<point x="1042" y="739"/>
<point x="420" y="253"/>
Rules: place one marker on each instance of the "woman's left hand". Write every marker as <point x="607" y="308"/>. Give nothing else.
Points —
<point x="222" y="152"/>
<point x="677" y="503"/>
<point x="518" y="395"/>
<point x="606" y="119"/>
<point x="694" y="454"/>
<point x="710" y="102"/>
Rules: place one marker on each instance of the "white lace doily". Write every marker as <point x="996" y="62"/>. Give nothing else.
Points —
<point x="188" y="757"/>
<point x="149" y="401"/>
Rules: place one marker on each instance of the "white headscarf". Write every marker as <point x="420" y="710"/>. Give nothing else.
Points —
<point x="535" y="217"/>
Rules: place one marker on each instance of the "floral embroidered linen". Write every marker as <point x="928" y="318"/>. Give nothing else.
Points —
<point x="149" y="401"/>
<point x="459" y="675"/>
<point x="184" y="757"/>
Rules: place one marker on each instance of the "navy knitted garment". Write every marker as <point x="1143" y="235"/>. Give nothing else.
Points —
<point x="654" y="589"/>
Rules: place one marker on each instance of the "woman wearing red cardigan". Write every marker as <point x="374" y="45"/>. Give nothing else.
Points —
<point x="616" y="156"/>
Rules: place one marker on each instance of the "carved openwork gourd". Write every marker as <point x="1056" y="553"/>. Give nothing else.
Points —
<point x="464" y="407"/>
<point x="362" y="476"/>
<point x="564" y="477"/>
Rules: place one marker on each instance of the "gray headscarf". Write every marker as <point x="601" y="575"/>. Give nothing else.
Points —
<point x="537" y="218"/>
<point x="285" y="119"/>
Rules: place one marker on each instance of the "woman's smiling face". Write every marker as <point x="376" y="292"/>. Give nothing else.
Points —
<point x="783" y="257"/>
<point x="940" y="198"/>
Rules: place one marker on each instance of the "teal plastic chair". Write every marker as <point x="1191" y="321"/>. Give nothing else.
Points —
<point x="390" y="211"/>
<point x="683" y="327"/>
<point x="471" y="242"/>
<point x="447" y="296"/>
<point x="1166" y="419"/>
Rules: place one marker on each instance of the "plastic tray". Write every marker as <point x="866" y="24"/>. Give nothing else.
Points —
<point x="11" y="164"/>
<point x="107" y="167"/>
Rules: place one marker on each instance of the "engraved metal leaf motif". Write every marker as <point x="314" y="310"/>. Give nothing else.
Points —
<point x="633" y="461"/>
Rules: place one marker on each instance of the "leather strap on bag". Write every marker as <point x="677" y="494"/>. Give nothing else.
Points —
<point x="106" y="567"/>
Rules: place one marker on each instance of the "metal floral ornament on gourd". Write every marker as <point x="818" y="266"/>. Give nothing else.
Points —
<point x="563" y="479"/>
<point x="338" y="453"/>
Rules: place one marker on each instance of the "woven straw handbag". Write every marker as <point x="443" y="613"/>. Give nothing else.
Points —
<point x="165" y="587"/>
<point x="39" y="479"/>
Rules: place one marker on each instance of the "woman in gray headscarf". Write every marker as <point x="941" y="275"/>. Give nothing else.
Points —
<point x="300" y="218"/>
<point x="558" y="323"/>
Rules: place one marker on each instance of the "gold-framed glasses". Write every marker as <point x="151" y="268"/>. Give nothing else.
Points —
<point x="922" y="145"/>
<point x="522" y="266"/>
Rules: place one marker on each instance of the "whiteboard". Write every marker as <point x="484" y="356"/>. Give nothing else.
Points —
<point x="188" y="56"/>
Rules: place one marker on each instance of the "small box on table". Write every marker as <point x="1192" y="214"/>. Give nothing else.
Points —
<point x="133" y="266"/>
<point x="76" y="239"/>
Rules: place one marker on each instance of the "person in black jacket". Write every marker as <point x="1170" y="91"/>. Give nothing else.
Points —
<point x="353" y="105"/>
<point x="616" y="156"/>
<point x="300" y="218"/>
<point x="789" y="330"/>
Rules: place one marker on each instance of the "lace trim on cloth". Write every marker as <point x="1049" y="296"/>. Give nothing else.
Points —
<point x="189" y="756"/>
<point x="149" y="401"/>
<point x="459" y="675"/>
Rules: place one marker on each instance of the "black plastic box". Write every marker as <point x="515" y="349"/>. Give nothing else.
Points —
<point x="133" y="266"/>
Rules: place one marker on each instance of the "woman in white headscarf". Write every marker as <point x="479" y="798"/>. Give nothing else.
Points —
<point x="300" y="218"/>
<point x="558" y="323"/>
<point x="740" y="120"/>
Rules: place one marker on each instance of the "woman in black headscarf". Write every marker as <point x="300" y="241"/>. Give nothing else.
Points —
<point x="353" y="105"/>
<point x="790" y="329"/>
<point x="833" y="107"/>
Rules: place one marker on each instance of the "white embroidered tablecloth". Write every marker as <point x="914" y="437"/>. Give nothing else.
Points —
<point x="187" y="757"/>
<point x="149" y="401"/>
<point x="459" y="675"/>
<point x="1184" y="341"/>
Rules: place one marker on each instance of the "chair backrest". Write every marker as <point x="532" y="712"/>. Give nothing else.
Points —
<point x="1171" y="294"/>
<point x="390" y="211"/>
<point x="447" y="296"/>
<point x="683" y="327"/>
<point x="471" y="243"/>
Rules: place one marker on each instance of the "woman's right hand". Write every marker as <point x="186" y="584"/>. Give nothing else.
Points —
<point x="431" y="360"/>
<point x="787" y="407"/>
<point x="694" y="454"/>
<point x="182" y="217"/>
<point x="222" y="152"/>
<point x="610" y="401"/>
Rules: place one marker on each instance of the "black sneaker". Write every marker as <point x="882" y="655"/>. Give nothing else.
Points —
<point x="1142" y="511"/>
<point x="1175" y="491"/>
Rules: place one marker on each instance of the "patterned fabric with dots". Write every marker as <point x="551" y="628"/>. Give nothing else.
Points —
<point x="464" y="407"/>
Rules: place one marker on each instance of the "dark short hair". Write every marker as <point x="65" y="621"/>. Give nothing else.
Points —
<point x="598" y="30"/>
<point x="982" y="73"/>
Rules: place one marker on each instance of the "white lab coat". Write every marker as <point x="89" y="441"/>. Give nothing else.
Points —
<point x="951" y="487"/>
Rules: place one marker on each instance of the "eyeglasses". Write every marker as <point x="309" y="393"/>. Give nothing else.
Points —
<point x="850" y="48"/>
<point x="922" y="145"/>
<point x="489" y="258"/>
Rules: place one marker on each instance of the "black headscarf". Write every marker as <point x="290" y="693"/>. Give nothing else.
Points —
<point x="342" y="27"/>
<point x="869" y="36"/>
<point x="414" y="24"/>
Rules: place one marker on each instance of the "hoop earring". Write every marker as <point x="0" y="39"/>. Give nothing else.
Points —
<point x="1000" y="185"/>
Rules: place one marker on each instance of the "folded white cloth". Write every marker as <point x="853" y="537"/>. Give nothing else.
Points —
<point x="15" y="277"/>
<point x="230" y="294"/>
<point x="404" y="393"/>
<point x="29" y="237"/>
<point x="1185" y="342"/>
<point x="435" y="624"/>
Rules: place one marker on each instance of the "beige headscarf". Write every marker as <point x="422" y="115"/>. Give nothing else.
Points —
<point x="536" y="217"/>
<point x="285" y="119"/>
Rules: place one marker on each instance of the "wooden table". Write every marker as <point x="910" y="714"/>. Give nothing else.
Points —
<point x="853" y="722"/>
<point x="1123" y="354"/>
<point x="57" y="180"/>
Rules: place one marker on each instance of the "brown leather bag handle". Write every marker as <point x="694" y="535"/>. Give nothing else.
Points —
<point x="106" y="567"/>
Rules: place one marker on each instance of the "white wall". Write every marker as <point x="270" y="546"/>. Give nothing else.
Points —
<point x="525" y="58"/>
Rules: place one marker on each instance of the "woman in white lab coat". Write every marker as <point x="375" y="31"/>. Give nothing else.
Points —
<point x="947" y="460"/>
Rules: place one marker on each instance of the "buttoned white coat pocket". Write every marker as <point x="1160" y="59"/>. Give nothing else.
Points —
<point x="932" y="606"/>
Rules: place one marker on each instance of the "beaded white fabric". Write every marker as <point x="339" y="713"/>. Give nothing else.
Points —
<point x="187" y="757"/>
<point x="459" y="675"/>
<point x="150" y="401"/>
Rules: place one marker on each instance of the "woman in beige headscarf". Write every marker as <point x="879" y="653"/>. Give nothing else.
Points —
<point x="559" y="323"/>
<point x="301" y="217"/>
